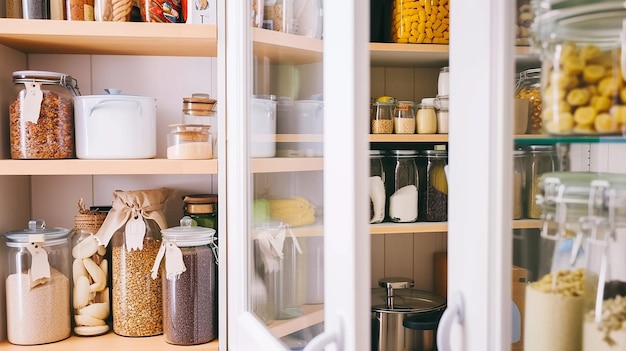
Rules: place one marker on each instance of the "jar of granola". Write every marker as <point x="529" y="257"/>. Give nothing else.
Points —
<point x="41" y="116"/>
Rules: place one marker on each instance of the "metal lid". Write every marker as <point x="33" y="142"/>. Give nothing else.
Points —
<point x="407" y="300"/>
<point x="377" y="153"/>
<point x="52" y="236"/>
<point x="47" y="77"/>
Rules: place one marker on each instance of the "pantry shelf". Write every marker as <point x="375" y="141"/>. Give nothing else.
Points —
<point x="112" y="38"/>
<point x="109" y="341"/>
<point x="109" y="167"/>
<point x="286" y="48"/>
<point x="408" y="138"/>
<point x="287" y="164"/>
<point x="434" y="227"/>
<point x="313" y="314"/>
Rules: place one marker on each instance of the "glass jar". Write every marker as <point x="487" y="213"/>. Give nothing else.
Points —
<point x="189" y="142"/>
<point x="519" y="183"/>
<point x="523" y="21"/>
<point x="421" y="22"/>
<point x="14" y="8"/>
<point x="382" y="120"/>
<point x="188" y="277"/>
<point x="541" y="159"/>
<point x="202" y="208"/>
<point x="41" y="118"/>
<point x="403" y="188"/>
<point x="35" y="9"/>
<point x="90" y="291"/>
<point x="404" y="117"/>
<point x="200" y="109"/>
<point x="441" y="106"/>
<point x="109" y="10"/>
<point x="426" y="117"/>
<point x="433" y="201"/>
<point x="377" y="187"/>
<point x="443" y="82"/>
<point x="528" y="87"/>
<point x="38" y="284"/>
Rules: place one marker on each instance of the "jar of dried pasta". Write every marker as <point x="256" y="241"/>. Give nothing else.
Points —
<point x="41" y="116"/>
<point x="529" y="87"/>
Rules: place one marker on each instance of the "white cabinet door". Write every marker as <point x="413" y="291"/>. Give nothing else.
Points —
<point x="275" y="271"/>
<point x="478" y="317"/>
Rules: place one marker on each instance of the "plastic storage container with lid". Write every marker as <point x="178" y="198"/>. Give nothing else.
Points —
<point x="377" y="186"/>
<point x="382" y="118"/>
<point x="528" y="87"/>
<point x="433" y="199"/>
<point x="404" y="117"/>
<point x="188" y="277"/>
<point x="426" y="117"/>
<point x="402" y="186"/>
<point x="582" y="57"/>
<point x="41" y="116"/>
<point x="418" y="22"/>
<point x="189" y="142"/>
<point x="38" y="284"/>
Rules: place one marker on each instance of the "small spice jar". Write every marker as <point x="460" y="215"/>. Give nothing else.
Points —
<point x="382" y="118"/>
<point x="189" y="142"/>
<point x="519" y="183"/>
<point x="38" y="284"/>
<point x="189" y="284"/>
<point x="433" y="202"/>
<point x="426" y="117"/>
<point x="402" y="189"/>
<point x="404" y="118"/>
<point x="90" y="291"/>
<point x="41" y="117"/>
<point x="541" y="159"/>
<point x="202" y="208"/>
<point x="377" y="187"/>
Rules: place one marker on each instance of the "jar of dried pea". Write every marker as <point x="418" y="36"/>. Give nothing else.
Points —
<point x="582" y="84"/>
<point x="421" y="21"/>
<point x="529" y="87"/>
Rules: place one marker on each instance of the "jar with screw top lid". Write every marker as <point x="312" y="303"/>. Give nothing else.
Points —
<point x="404" y="117"/>
<point x="41" y="117"/>
<point x="402" y="188"/>
<point x="38" y="284"/>
<point x="382" y="118"/>
<point x="426" y="118"/>
<point x="377" y="186"/>
<point x="202" y="208"/>
<point x="433" y="202"/>
<point x="200" y="109"/>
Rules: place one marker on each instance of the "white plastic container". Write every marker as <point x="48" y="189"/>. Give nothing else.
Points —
<point x="301" y="117"/>
<point x="263" y="127"/>
<point x="115" y="126"/>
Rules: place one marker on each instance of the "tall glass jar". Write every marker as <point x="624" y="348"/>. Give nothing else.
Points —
<point x="433" y="200"/>
<point x="382" y="118"/>
<point x="377" y="187"/>
<point x="90" y="268"/>
<point x="41" y="117"/>
<point x="529" y="87"/>
<point x="38" y="284"/>
<point x="519" y="183"/>
<point x="188" y="278"/>
<point x="541" y="159"/>
<point x="426" y="118"/>
<point x="403" y="186"/>
<point x="404" y="118"/>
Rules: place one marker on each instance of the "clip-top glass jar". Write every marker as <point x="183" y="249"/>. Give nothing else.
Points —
<point x="377" y="187"/>
<point x="38" y="284"/>
<point x="188" y="278"/>
<point x="433" y="200"/>
<point x="403" y="187"/>
<point x="41" y="117"/>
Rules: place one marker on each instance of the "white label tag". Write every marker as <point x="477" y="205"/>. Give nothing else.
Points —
<point x="174" y="265"/>
<point x="32" y="102"/>
<point x="135" y="231"/>
<point x="40" y="268"/>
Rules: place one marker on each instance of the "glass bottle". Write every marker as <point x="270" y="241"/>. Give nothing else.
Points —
<point x="433" y="202"/>
<point x="377" y="187"/>
<point x="426" y="117"/>
<point x="38" y="284"/>
<point x="381" y="119"/>
<point x="404" y="118"/>
<point x="403" y="189"/>
<point x="541" y="159"/>
<point x="189" y="290"/>
<point x="519" y="183"/>
<point x="41" y="117"/>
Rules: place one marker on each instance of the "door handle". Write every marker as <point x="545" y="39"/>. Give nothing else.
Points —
<point x="454" y="313"/>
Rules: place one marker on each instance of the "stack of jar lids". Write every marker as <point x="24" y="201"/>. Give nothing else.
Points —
<point x="199" y="104"/>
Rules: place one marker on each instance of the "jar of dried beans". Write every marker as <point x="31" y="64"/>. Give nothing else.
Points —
<point x="189" y="283"/>
<point x="433" y="202"/>
<point x="42" y="115"/>
<point x="38" y="284"/>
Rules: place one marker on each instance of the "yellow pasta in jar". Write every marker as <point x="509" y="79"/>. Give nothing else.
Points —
<point x="593" y="73"/>
<point x="585" y="115"/>
<point x="578" y="97"/>
<point x="604" y="123"/>
<point x="600" y="103"/>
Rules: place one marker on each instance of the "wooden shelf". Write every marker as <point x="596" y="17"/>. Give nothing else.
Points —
<point x="299" y="138"/>
<point x="109" y="167"/>
<point x="109" y="341"/>
<point x="109" y="38"/>
<point x="408" y="138"/>
<point x="434" y="227"/>
<point x="287" y="164"/>
<point x="286" y="48"/>
<point x="313" y="314"/>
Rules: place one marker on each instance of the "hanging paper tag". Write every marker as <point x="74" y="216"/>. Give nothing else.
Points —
<point x="32" y="102"/>
<point x="174" y="265"/>
<point x="157" y="262"/>
<point x="135" y="231"/>
<point x="40" y="267"/>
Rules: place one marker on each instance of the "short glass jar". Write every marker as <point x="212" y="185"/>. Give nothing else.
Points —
<point x="441" y="106"/>
<point x="41" y="116"/>
<point x="202" y="208"/>
<point x="528" y="87"/>
<point x="426" y="117"/>
<point x="404" y="117"/>
<point x="38" y="284"/>
<point x="382" y="118"/>
<point x="189" y="142"/>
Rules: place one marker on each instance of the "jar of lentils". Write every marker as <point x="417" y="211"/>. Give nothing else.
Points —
<point x="41" y="116"/>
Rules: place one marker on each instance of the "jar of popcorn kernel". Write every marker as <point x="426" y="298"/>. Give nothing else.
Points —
<point x="582" y="87"/>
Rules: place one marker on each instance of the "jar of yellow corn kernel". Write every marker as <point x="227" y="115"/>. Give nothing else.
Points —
<point x="583" y="91"/>
<point x="421" y="21"/>
<point x="529" y="87"/>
